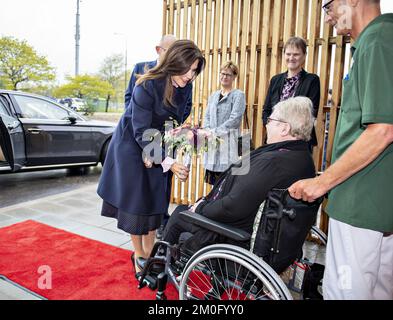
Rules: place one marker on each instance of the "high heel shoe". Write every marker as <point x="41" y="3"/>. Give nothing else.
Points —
<point x="133" y="259"/>
<point x="137" y="273"/>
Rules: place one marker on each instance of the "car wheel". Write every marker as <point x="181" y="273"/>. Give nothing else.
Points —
<point x="103" y="152"/>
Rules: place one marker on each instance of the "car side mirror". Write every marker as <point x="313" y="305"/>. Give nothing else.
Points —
<point x="72" y="119"/>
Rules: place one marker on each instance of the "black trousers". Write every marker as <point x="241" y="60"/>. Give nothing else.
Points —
<point x="176" y="226"/>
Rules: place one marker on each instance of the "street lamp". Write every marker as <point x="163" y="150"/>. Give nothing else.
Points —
<point x="77" y="38"/>
<point x="125" y="60"/>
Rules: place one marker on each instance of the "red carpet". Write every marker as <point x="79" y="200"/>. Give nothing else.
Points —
<point x="82" y="269"/>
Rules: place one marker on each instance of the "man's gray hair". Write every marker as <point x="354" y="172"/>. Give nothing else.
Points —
<point x="297" y="112"/>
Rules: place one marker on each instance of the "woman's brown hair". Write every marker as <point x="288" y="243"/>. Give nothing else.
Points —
<point x="177" y="61"/>
<point x="296" y="42"/>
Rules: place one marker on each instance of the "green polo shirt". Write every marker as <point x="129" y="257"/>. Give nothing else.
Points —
<point x="365" y="200"/>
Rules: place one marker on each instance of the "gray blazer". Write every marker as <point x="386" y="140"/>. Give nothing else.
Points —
<point x="223" y="118"/>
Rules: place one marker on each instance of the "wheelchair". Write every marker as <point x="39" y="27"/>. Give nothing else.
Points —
<point x="246" y="266"/>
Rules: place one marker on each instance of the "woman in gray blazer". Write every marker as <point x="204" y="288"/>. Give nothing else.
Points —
<point x="223" y="118"/>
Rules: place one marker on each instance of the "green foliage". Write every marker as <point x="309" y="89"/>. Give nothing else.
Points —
<point x="20" y="64"/>
<point x="84" y="87"/>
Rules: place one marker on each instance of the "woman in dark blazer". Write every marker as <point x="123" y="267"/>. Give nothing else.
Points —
<point x="135" y="183"/>
<point x="294" y="82"/>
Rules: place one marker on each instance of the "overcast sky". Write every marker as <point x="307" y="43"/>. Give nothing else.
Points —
<point x="49" y="26"/>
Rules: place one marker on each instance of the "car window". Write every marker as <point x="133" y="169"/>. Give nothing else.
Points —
<point x="34" y="108"/>
<point x="3" y="109"/>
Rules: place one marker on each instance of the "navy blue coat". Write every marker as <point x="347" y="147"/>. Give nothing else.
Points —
<point x="125" y="182"/>
<point x="139" y="68"/>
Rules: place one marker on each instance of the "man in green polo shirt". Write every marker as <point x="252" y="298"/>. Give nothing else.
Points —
<point x="359" y="257"/>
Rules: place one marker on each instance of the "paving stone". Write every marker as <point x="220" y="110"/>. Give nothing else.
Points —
<point x="106" y="236"/>
<point x="22" y="213"/>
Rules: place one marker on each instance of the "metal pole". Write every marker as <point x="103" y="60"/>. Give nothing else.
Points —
<point x="77" y="38"/>
<point x="125" y="69"/>
<point x="125" y="59"/>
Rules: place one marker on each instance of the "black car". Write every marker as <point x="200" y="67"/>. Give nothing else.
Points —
<point x="38" y="133"/>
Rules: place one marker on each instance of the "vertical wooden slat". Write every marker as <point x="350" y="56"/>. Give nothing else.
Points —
<point x="289" y="25"/>
<point x="216" y="42"/>
<point x="164" y="17"/>
<point x="197" y="99"/>
<point x="252" y="65"/>
<point x="243" y="43"/>
<point x="275" y="66"/>
<point x="192" y="20"/>
<point x="302" y="18"/>
<point x="337" y="83"/>
<point x="315" y="24"/>
<point x="225" y="29"/>
<point x="185" y="20"/>
<point x="234" y="32"/>
<point x="326" y="57"/>
<point x="171" y="22"/>
<point x="206" y="78"/>
<point x="178" y="19"/>
<point x="290" y="19"/>
<point x="263" y="72"/>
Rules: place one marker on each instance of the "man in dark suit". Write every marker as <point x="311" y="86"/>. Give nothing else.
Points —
<point x="141" y="67"/>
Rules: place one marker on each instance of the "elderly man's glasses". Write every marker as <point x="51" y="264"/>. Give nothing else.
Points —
<point x="163" y="49"/>
<point x="326" y="6"/>
<point x="272" y="119"/>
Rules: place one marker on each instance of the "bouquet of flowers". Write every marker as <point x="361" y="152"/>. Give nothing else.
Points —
<point x="186" y="140"/>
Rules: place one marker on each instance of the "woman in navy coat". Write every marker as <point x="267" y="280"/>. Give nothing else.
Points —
<point x="135" y="185"/>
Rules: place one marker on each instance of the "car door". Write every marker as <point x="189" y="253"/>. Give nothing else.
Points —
<point x="12" y="142"/>
<point x="51" y="138"/>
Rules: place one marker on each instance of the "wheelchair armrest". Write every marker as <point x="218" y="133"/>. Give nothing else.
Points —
<point x="220" y="228"/>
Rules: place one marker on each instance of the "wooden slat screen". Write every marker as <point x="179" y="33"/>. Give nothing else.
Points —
<point x="252" y="33"/>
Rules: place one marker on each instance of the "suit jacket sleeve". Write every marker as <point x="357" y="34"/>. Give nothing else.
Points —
<point x="245" y="196"/>
<point x="267" y="107"/>
<point x="315" y="94"/>
<point x="131" y="85"/>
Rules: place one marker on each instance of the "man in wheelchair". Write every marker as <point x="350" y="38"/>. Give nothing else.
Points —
<point x="228" y="212"/>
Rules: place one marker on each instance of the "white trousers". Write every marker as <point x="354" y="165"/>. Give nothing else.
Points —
<point x="359" y="264"/>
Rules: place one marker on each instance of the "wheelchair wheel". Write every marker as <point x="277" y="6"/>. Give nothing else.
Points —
<point x="226" y="272"/>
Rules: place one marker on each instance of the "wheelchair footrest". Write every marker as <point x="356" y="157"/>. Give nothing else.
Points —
<point x="149" y="281"/>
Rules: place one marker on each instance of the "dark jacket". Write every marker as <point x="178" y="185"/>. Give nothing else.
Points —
<point x="125" y="183"/>
<point x="140" y="68"/>
<point x="309" y="86"/>
<point x="276" y="165"/>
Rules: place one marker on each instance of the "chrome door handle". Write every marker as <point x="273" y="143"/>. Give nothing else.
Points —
<point x="34" y="130"/>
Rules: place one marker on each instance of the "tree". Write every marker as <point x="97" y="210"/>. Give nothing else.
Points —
<point x="19" y="63"/>
<point x="84" y="87"/>
<point x="112" y="71"/>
